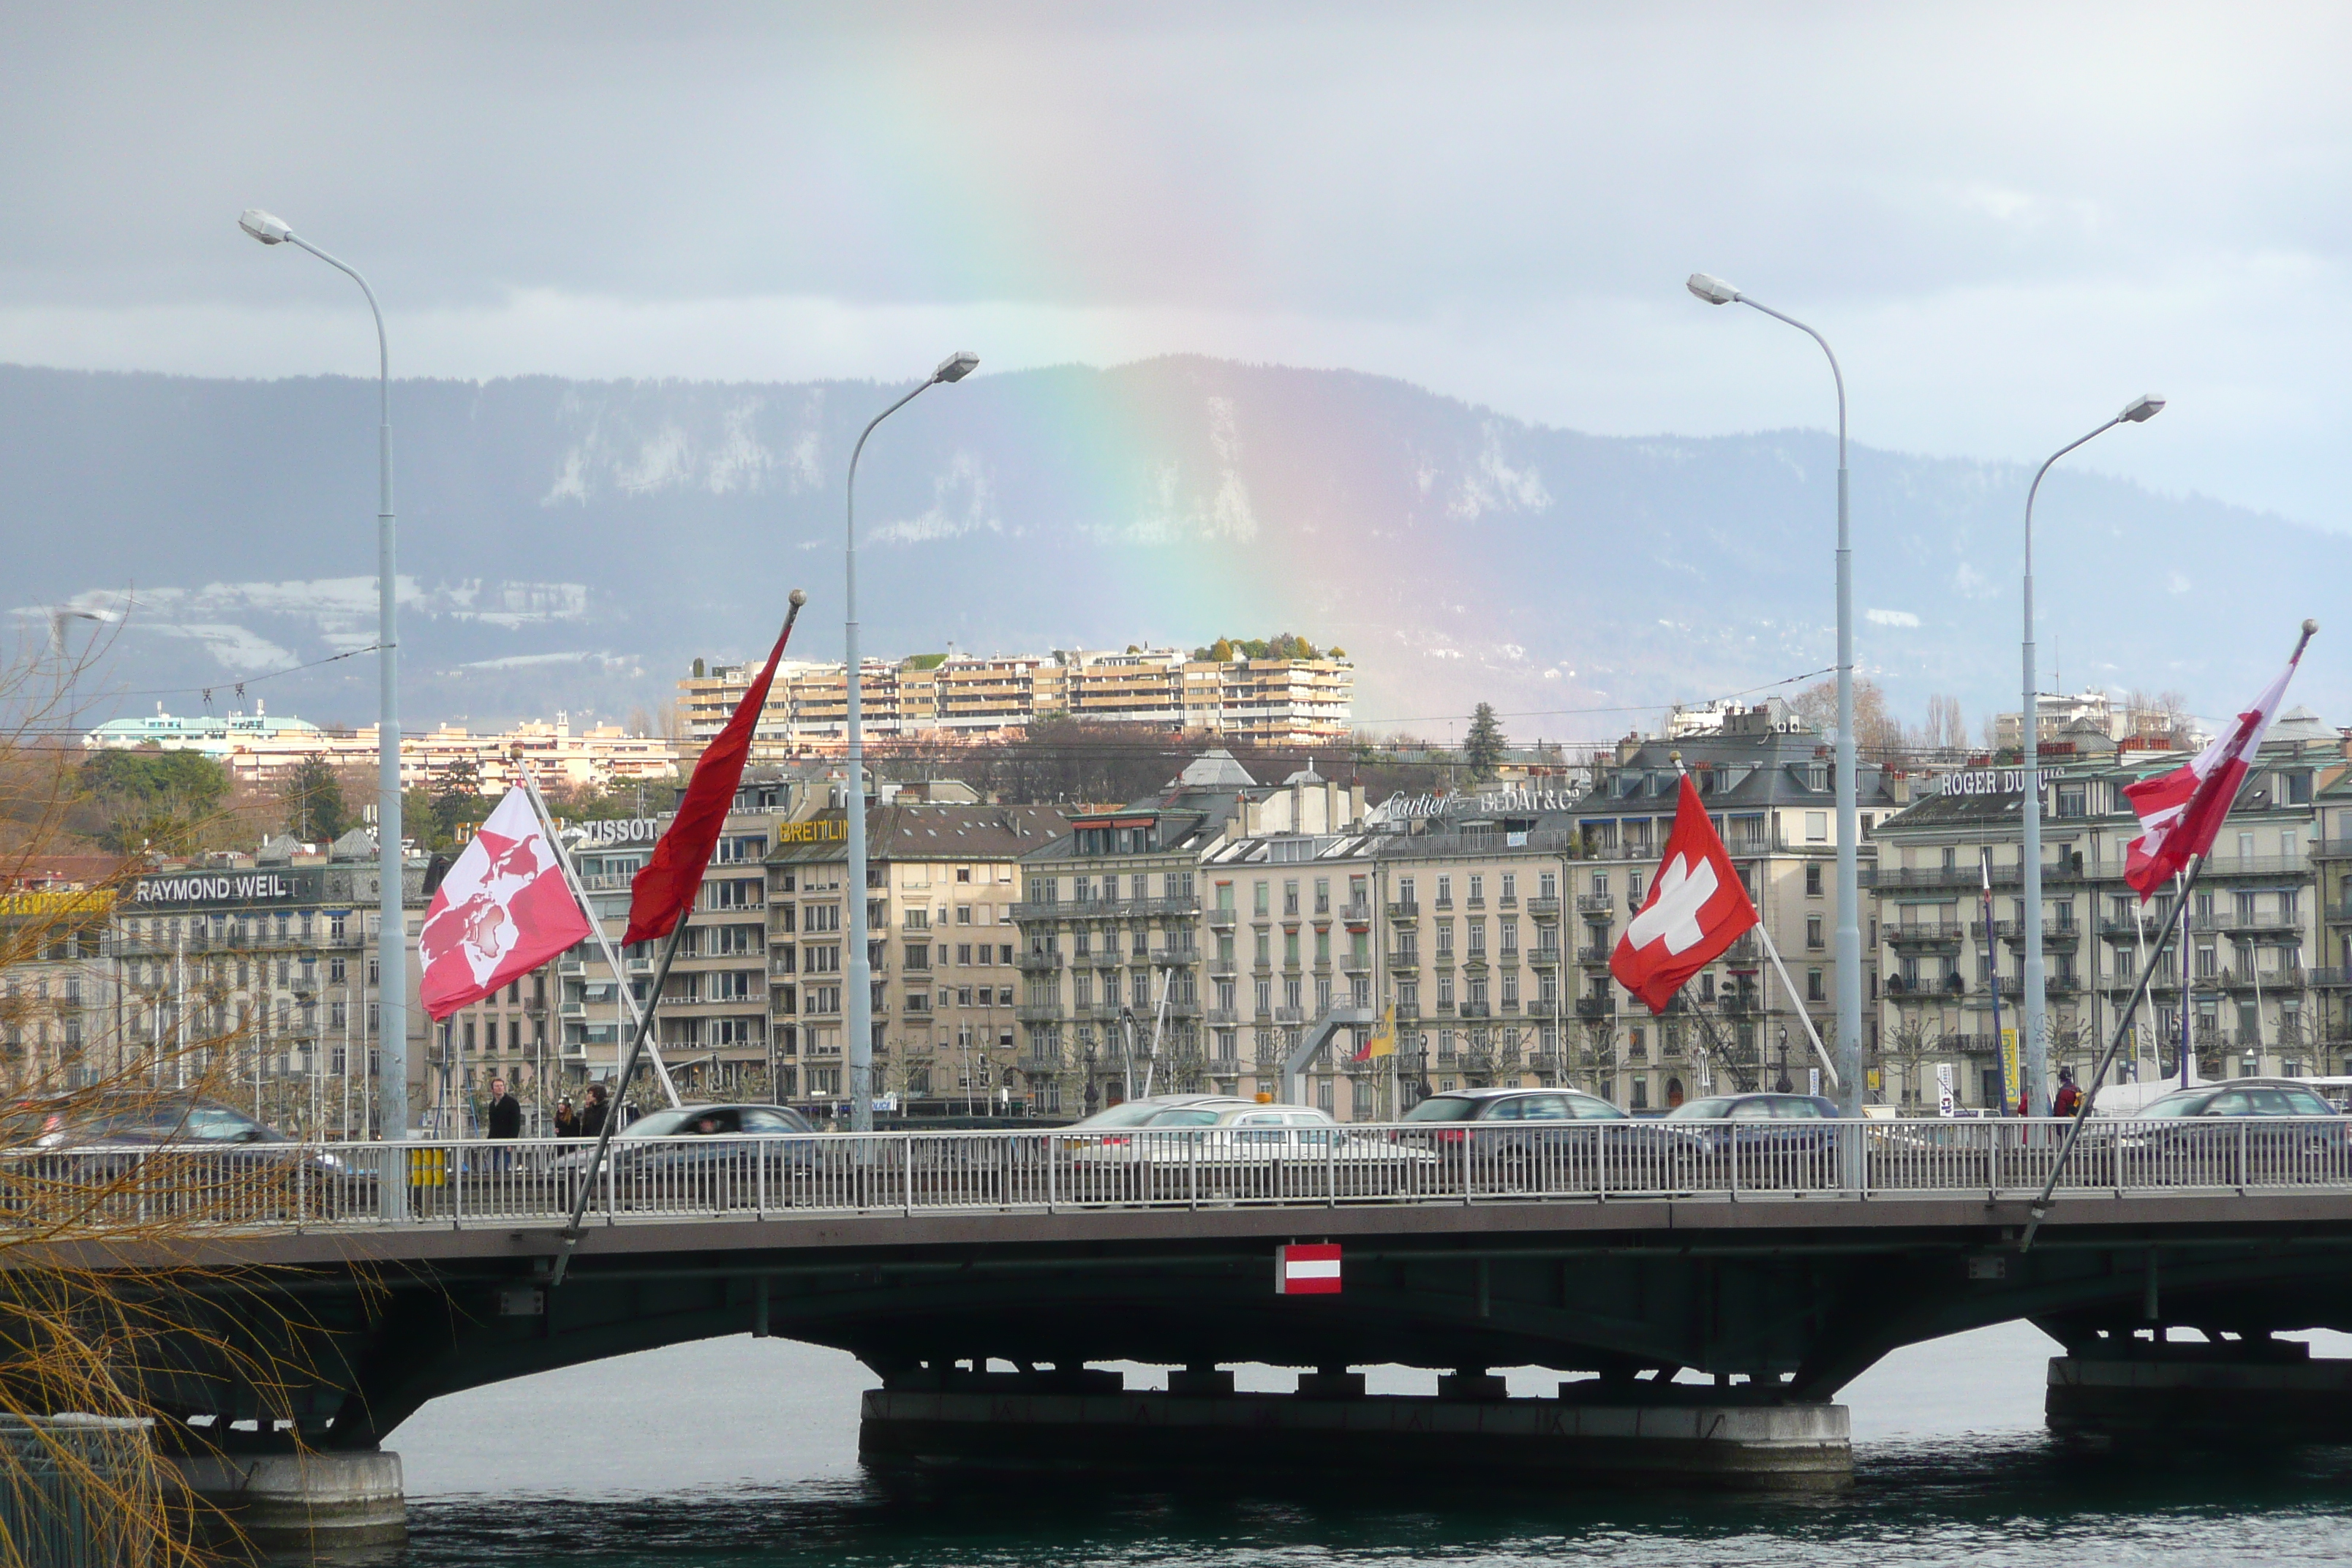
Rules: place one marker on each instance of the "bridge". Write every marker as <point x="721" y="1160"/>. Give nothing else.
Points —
<point x="1726" y="1282"/>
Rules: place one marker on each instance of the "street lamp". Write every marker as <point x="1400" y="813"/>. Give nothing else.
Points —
<point x="392" y="937"/>
<point x="2037" y="1048"/>
<point x="1716" y="291"/>
<point x="859" y="1010"/>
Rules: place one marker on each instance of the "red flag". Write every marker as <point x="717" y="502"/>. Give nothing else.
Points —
<point x="1696" y="909"/>
<point x="502" y="910"/>
<point x="664" y="889"/>
<point x="2181" y="812"/>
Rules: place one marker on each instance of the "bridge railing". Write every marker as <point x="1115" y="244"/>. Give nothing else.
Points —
<point x="534" y="1180"/>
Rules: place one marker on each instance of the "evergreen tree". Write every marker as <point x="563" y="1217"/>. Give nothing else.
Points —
<point x="1482" y="750"/>
<point x="313" y="798"/>
<point x="455" y="798"/>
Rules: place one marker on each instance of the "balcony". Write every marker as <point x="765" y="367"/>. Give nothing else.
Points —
<point x="1591" y="1007"/>
<point x="2335" y="978"/>
<point x="1359" y="913"/>
<point x="574" y="1012"/>
<point x="1039" y="1013"/>
<point x="1038" y="963"/>
<point x="1222" y="920"/>
<point x="1544" y="957"/>
<point x="1404" y="910"/>
<point x="1596" y="903"/>
<point x="1592" y="954"/>
<point x="1942" y="934"/>
<point x="1544" y="908"/>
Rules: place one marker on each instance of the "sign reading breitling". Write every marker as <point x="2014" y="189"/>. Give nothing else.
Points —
<point x="824" y="831"/>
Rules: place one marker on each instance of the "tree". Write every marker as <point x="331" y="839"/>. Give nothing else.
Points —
<point x="1222" y="650"/>
<point x="313" y="797"/>
<point x="1948" y="727"/>
<point x="456" y="799"/>
<point x="1483" y="748"/>
<point x="1876" y="732"/>
<point x="153" y="797"/>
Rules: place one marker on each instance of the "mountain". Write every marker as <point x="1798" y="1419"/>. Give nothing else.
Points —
<point x="576" y="544"/>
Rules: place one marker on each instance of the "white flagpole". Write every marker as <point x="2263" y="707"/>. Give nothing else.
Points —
<point x="1829" y="1067"/>
<point x="603" y="941"/>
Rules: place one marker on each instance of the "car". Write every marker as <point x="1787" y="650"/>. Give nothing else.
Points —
<point x="1215" y="1147"/>
<point x="707" y="1156"/>
<point x="193" y="1150"/>
<point x="2234" y="1132"/>
<point x="1760" y="1139"/>
<point x="1543" y="1140"/>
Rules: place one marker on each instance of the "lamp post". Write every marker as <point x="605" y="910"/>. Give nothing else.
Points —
<point x="392" y="937"/>
<point x="858" y="1008"/>
<point x="2036" y="1052"/>
<point x="1716" y="291"/>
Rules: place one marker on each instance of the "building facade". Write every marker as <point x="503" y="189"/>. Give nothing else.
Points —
<point x="1270" y="701"/>
<point x="2259" y="997"/>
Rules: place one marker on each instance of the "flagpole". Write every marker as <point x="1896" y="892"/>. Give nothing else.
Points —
<point x="612" y="1116"/>
<point x="603" y="941"/>
<point x="1992" y="974"/>
<point x="1828" y="1064"/>
<point x="2148" y="973"/>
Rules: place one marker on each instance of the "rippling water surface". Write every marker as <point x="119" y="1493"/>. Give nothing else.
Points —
<point x="741" y="1452"/>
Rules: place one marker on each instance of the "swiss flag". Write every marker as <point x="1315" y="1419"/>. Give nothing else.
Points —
<point x="1696" y="909"/>
<point x="502" y="910"/>
<point x="2182" y="813"/>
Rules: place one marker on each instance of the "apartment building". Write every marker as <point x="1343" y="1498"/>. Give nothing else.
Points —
<point x="1112" y="928"/>
<point x="1273" y="701"/>
<point x="273" y="954"/>
<point x="1767" y="782"/>
<point x="62" y="1020"/>
<point x="2261" y="995"/>
<point x="263" y="748"/>
<point x="2331" y="854"/>
<point x="941" y="893"/>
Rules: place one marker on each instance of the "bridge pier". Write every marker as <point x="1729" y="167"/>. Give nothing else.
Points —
<point x="303" y="1501"/>
<point x="1676" y="1436"/>
<point x="2122" y="1390"/>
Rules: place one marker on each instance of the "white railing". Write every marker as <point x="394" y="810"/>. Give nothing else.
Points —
<point x="534" y="1180"/>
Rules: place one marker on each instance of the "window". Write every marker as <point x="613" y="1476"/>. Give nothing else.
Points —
<point x="1547" y="886"/>
<point x="1444" y="892"/>
<point x="1511" y="887"/>
<point x="1478" y="889"/>
<point x="1290" y="896"/>
<point x="1322" y="894"/>
<point x="1812" y="984"/>
<point x="918" y="955"/>
<point x="1813" y="931"/>
<point x="1812" y="882"/>
<point x="1817" y="826"/>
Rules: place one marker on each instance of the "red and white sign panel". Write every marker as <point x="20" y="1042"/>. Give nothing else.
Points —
<point x="1306" y="1269"/>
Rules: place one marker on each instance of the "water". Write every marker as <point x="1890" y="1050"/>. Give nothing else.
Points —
<point x="740" y="1452"/>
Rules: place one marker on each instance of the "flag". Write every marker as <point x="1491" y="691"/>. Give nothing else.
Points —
<point x="503" y="910"/>
<point x="1381" y="1041"/>
<point x="1696" y="909"/>
<point x="664" y="889"/>
<point x="2182" y="813"/>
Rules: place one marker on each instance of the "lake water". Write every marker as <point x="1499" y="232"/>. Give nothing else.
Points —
<point x="740" y="1451"/>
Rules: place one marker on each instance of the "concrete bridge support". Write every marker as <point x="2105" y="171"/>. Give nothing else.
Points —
<point x="1591" y="1433"/>
<point x="2256" y="1390"/>
<point x="307" y="1502"/>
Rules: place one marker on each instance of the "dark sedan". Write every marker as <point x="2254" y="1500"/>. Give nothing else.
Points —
<point x="1537" y="1139"/>
<point x="2230" y="1134"/>
<point x="185" y="1154"/>
<point x="707" y="1156"/>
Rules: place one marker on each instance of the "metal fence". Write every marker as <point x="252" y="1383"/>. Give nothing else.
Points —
<point x="464" y="1183"/>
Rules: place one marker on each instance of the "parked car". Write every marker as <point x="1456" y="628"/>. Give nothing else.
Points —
<point x="1755" y="1140"/>
<point x="2229" y="1134"/>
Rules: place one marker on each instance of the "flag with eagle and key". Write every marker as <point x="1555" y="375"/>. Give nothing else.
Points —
<point x="1697" y="908"/>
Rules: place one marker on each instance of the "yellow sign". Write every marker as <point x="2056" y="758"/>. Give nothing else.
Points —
<point x="813" y="832"/>
<point x="1383" y="1040"/>
<point x="2012" y="1079"/>
<point x="428" y="1167"/>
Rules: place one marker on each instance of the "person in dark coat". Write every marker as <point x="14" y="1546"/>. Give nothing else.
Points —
<point x="567" y="1120"/>
<point x="505" y="1115"/>
<point x="592" y="1114"/>
<point x="2070" y="1098"/>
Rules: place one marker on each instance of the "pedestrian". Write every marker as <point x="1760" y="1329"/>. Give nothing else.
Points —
<point x="505" y="1114"/>
<point x="592" y="1114"/>
<point x="567" y="1120"/>
<point x="2070" y="1098"/>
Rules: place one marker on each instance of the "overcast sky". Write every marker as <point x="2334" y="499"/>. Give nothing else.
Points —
<point x="2008" y="221"/>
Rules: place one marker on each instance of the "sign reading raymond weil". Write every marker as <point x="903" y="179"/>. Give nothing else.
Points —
<point x="218" y="887"/>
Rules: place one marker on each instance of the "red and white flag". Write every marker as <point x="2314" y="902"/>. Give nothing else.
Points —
<point x="2181" y="812"/>
<point x="1696" y="909"/>
<point x="502" y="910"/>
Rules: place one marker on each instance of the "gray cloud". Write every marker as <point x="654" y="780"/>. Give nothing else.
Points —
<point x="2008" y="219"/>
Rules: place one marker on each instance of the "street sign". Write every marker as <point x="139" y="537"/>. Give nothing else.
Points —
<point x="1306" y="1269"/>
<point x="1943" y="1088"/>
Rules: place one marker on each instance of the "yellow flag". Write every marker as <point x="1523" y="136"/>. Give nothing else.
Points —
<point x="1383" y="1040"/>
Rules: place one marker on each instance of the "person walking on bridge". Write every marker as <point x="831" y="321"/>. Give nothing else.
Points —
<point x="592" y="1114"/>
<point x="567" y="1120"/>
<point x="2069" y="1098"/>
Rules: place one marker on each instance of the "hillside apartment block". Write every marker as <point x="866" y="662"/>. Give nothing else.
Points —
<point x="1260" y="702"/>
